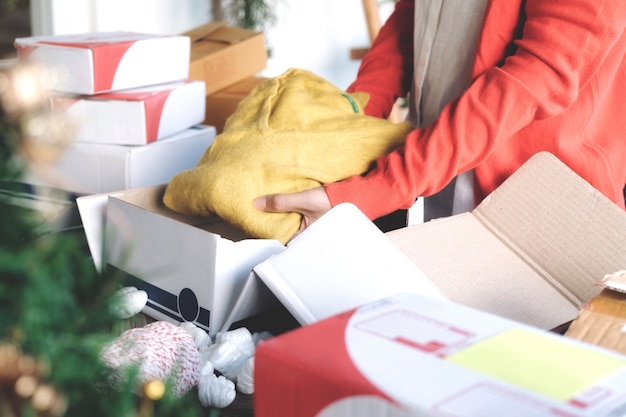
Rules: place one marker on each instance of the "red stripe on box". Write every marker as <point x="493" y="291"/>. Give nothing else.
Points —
<point x="154" y="101"/>
<point x="154" y="108"/>
<point x="24" y="51"/>
<point x="106" y="58"/>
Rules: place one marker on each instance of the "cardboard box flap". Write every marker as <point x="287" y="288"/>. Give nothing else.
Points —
<point x="201" y="31"/>
<point x="563" y="227"/>
<point x="230" y="36"/>
<point x="92" y="209"/>
<point x="474" y="268"/>
<point x="218" y="32"/>
<point x="532" y="251"/>
<point x="254" y="298"/>
<point x="340" y="262"/>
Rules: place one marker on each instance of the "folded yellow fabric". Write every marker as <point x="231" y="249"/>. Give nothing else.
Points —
<point x="291" y="133"/>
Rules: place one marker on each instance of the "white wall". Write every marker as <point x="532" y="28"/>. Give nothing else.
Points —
<point x="55" y="17"/>
<point x="318" y="36"/>
<point x="313" y="35"/>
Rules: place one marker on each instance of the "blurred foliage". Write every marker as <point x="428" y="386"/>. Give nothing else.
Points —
<point x="15" y="4"/>
<point x="54" y="305"/>
<point x="249" y="14"/>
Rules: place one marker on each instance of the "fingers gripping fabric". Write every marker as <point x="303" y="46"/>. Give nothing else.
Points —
<point x="291" y="133"/>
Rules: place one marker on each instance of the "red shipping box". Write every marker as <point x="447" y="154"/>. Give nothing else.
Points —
<point x="99" y="62"/>
<point x="412" y="355"/>
<point x="136" y="116"/>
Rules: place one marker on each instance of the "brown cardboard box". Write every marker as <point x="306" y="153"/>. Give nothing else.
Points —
<point x="223" y="55"/>
<point x="220" y="105"/>
<point x="602" y="321"/>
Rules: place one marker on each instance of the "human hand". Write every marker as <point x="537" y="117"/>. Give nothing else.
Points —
<point x="311" y="204"/>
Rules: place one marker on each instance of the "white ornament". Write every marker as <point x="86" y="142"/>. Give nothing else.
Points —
<point x="200" y="337"/>
<point x="206" y="368"/>
<point x="128" y="301"/>
<point x="205" y="352"/>
<point x="261" y="336"/>
<point x="245" y="379"/>
<point x="228" y="359"/>
<point x="214" y="391"/>
<point x="240" y="337"/>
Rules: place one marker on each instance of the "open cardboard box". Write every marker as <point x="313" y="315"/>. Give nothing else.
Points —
<point x="412" y="355"/>
<point x="533" y="251"/>
<point x="192" y="267"/>
<point x="222" y="55"/>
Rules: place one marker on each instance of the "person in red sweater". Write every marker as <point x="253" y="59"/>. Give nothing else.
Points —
<point x="491" y="83"/>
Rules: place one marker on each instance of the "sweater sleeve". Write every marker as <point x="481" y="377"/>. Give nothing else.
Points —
<point x="563" y="45"/>
<point x="385" y="71"/>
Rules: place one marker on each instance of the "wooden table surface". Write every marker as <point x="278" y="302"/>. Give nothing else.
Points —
<point x="242" y="407"/>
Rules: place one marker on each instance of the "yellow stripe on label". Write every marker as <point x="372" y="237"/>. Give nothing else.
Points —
<point x="539" y="363"/>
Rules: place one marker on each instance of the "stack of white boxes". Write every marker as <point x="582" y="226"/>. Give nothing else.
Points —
<point x="135" y="111"/>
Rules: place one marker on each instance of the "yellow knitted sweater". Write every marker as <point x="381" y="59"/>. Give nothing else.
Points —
<point x="291" y="133"/>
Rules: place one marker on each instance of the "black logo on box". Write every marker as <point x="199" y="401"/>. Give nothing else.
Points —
<point x="181" y="307"/>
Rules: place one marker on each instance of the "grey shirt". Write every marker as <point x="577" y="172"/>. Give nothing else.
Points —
<point x="446" y="32"/>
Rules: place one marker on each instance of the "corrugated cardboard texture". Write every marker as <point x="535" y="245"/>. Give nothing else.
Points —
<point x="533" y="251"/>
<point x="564" y="228"/>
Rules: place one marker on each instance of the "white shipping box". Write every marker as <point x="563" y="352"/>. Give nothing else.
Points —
<point x="136" y="116"/>
<point x="91" y="168"/>
<point x="99" y="62"/>
<point x="193" y="268"/>
<point x="533" y="251"/>
<point x="413" y="355"/>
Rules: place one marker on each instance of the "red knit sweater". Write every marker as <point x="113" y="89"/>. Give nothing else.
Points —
<point x="549" y="75"/>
